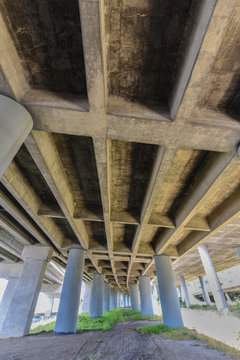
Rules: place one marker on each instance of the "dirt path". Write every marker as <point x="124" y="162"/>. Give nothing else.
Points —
<point x="123" y="342"/>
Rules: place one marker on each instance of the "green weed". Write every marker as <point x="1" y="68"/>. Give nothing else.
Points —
<point x="186" y="334"/>
<point x="105" y="323"/>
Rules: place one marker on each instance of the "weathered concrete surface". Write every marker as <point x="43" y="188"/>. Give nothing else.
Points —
<point x="222" y="327"/>
<point x="69" y="303"/>
<point x="6" y="299"/>
<point x="155" y="166"/>
<point x="21" y="309"/>
<point x="145" y="295"/>
<point x="96" y="304"/>
<point x="123" y="342"/>
<point x="15" y="124"/>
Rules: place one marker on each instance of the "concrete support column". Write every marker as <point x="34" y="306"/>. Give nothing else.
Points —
<point x="66" y="322"/>
<point x="145" y="295"/>
<point x="48" y="313"/>
<point x="229" y="299"/>
<point x="124" y="300"/>
<point x="171" y="312"/>
<point x="180" y="293"/>
<point x="185" y="291"/>
<point x="118" y="299"/>
<point x="134" y="297"/>
<point x="106" y="296"/>
<point x="6" y="299"/>
<point x="111" y="297"/>
<point x="15" y="125"/>
<point x="237" y="249"/>
<point x="21" y="309"/>
<point x="205" y="293"/>
<point x="96" y="306"/>
<point x="115" y="298"/>
<point x="86" y="298"/>
<point x="216" y="288"/>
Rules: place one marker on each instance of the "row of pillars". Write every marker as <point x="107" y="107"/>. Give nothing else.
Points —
<point x="21" y="295"/>
<point x="216" y="289"/>
<point x="103" y="297"/>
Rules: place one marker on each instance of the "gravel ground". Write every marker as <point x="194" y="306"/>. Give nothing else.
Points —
<point x="122" y="342"/>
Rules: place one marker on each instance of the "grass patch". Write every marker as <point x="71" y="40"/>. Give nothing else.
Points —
<point x="105" y="323"/>
<point x="203" y="307"/>
<point x="187" y="334"/>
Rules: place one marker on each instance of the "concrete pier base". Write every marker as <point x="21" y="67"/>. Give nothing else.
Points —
<point x="66" y="322"/>
<point x="212" y="277"/>
<point x="134" y="297"/>
<point x="168" y="293"/>
<point x="21" y="309"/>
<point x="145" y="295"/>
<point x="96" y="306"/>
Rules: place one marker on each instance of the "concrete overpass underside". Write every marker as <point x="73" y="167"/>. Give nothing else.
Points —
<point x="133" y="152"/>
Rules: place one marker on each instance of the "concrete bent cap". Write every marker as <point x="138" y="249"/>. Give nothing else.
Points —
<point x="37" y="252"/>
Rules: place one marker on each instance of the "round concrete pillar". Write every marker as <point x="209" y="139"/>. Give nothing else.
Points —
<point x="96" y="306"/>
<point x="123" y="300"/>
<point x="6" y="299"/>
<point x="145" y="295"/>
<point x="111" y="297"/>
<point x="212" y="277"/>
<point x="205" y="293"/>
<point x="134" y="297"/>
<point x="106" y="296"/>
<point x="66" y="322"/>
<point x="15" y="125"/>
<point x="171" y="312"/>
<point x="185" y="292"/>
<point x="115" y="298"/>
<point x="86" y="298"/>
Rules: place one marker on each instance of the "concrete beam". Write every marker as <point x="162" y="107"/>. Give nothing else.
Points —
<point x="44" y="152"/>
<point x="92" y="27"/>
<point x="11" y="64"/>
<point x="199" y="29"/>
<point x="161" y="167"/>
<point x="214" y="174"/>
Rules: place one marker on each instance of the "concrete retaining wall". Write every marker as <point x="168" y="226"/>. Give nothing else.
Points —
<point x="224" y="328"/>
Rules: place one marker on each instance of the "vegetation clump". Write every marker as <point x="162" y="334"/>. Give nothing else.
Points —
<point x="105" y="323"/>
<point x="187" y="334"/>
